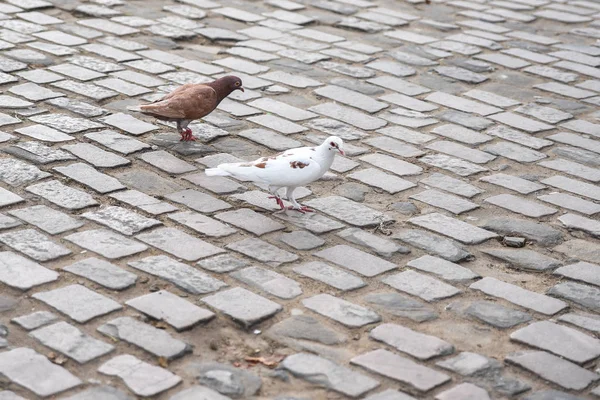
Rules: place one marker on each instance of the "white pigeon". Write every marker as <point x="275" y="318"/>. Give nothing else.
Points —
<point x="290" y="169"/>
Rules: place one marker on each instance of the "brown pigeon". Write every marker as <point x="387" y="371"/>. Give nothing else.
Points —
<point x="191" y="101"/>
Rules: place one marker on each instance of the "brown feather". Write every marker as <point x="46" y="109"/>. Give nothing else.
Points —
<point x="191" y="101"/>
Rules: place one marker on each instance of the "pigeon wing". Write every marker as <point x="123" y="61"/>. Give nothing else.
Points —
<point x="186" y="102"/>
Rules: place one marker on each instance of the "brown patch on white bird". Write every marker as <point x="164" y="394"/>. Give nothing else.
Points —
<point x="298" y="164"/>
<point x="261" y="165"/>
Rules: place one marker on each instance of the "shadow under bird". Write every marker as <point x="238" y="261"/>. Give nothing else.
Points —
<point x="190" y="102"/>
<point x="290" y="169"/>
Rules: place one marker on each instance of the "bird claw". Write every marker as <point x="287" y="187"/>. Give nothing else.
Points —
<point x="186" y="136"/>
<point x="279" y="201"/>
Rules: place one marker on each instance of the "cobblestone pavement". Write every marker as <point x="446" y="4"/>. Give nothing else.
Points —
<point x="452" y="253"/>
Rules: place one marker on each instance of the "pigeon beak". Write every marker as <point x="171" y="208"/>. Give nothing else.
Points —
<point x="241" y="88"/>
<point x="342" y="152"/>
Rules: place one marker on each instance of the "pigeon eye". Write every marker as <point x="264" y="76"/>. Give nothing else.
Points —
<point x="333" y="144"/>
<point x="237" y="84"/>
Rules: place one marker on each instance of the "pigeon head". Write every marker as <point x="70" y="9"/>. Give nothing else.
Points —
<point x="334" y="143"/>
<point x="230" y="83"/>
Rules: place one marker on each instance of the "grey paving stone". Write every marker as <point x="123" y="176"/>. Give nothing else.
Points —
<point x="21" y="273"/>
<point x="518" y="137"/>
<point x="101" y="392"/>
<point x="435" y="198"/>
<point x="524" y="259"/>
<point x="35" y="372"/>
<point x="573" y="168"/>
<point x="155" y="341"/>
<point x="351" y="98"/>
<point x="496" y="314"/>
<point x="7" y="222"/>
<point x="348" y="211"/>
<point x="202" y="224"/>
<point x="106" y="243"/>
<point x="514" y="152"/>
<point x="262" y="251"/>
<point x="586" y="321"/>
<point x="38" y="153"/>
<point x="17" y="172"/>
<point x="349" y="116"/>
<point x="454" y="228"/>
<point x="460" y="151"/>
<point x="34" y="92"/>
<point x="433" y="244"/>
<point x="103" y="273"/>
<point x="243" y="306"/>
<point x="374" y="177"/>
<point x="390" y="394"/>
<point x="383" y="247"/>
<point x="401" y="369"/>
<point x="47" y="219"/>
<point x="129" y="124"/>
<point x="540" y="233"/>
<point x="579" y="223"/>
<point x="198" y="392"/>
<point x="44" y="133"/>
<point x="77" y="72"/>
<point x="518" y="122"/>
<point x="418" y="345"/>
<point x="553" y="369"/>
<point x="455" y="165"/>
<point x="117" y="142"/>
<point x="584" y="295"/>
<point x="325" y="373"/>
<point x="165" y="306"/>
<point x="464" y="391"/>
<point x="465" y="119"/>
<point x="573" y="186"/>
<point x="88" y="176"/>
<point x="34" y="244"/>
<point x="35" y="320"/>
<point x="461" y="74"/>
<point x="96" y="156"/>
<point x="72" y="342"/>
<point x="515" y="183"/>
<point x="198" y="201"/>
<point x="451" y="185"/>
<point x="442" y="268"/>
<point x="268" y="281"/>
<point x="560" y="340"/>
<point x="225" y="378"/>
<point x="330" y="275"/>
<point x="581" y="271"/>
<point x="521" y="206"/>
<point x="122" y="220"/>
<point x="66" y="123"/>
<point x="222" y="263"/>
<point x="356" y="260"/>
<point x="181" y="275"/>
<point x="61" y="195"/>
<point x="279" y="124"/>
<point x="169" y="240"/>
<point x="344" y="312"/>
<point x="301" y="240"/>
<point x="423" y="286"/>
<point x="519" y="296"/>
<point x="140" y="377"/>
<point x="461" y="104"/>
<point x="78" y="302"/>
<point x="401" y="306"/>
<point x="469" y="364"/>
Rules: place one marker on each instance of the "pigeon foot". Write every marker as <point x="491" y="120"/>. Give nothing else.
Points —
<point x="279" y="201"/>
<point x="186" y="136"/>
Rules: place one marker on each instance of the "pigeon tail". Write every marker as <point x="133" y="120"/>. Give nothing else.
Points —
<point x="216" y="172"/>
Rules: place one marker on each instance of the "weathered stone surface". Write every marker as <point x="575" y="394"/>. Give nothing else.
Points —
<point x="401" y="306"/>
<point x="342" y="311"/>
<point x="401" y="369"/>
<point x="198" y="392"/>
<point x="243" y="306"/>
<point x="33" y="244"/>
<point x="423" y="286"/>
<point x="466" y="391"/>
<point x="433" y="244"/>
<point x="70" y="341"/>
<point x="35" y="320"/>
<point x="519" y="296"/>
<point x="584" y="295"/>
<point x="121" y="220"/>
<point x="560" y="340"/>
<point x="155" y="341"/>
<point x="101" y="392"/>
<point x="418" y="345"/>
<point x="78" y="302"/>
<point x="21" y="273"/>
<point x="442" y="268"/>
<point x="496" y="315"/>
<point x="356" y="260"/>
<point x="454" y="228"/>
<point x="103" y="273"/>
<point x="262" y="251"/>
<point x="35" y="372"/>
<point x="524" y="259"/>
<point x="225" y="379"/>
<point x="142" y="378"/>
<point x="329" y="275"/>
<point x="181" y="275"/>
<point x="106" y="243"/>
<point x="468" y="364"/>
<point x="169" y="240"/>
<point x="540" y="233"/>
<point x="325" y="373"/>
<point x="269" y="281"/>
<point x="554" y="369"/>
<point x="581" y="271"/>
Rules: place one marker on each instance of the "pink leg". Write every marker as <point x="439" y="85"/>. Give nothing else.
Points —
<point x="302" y="209"/>
<point x="188" y="136"/>
<point x="278" y="200"/>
